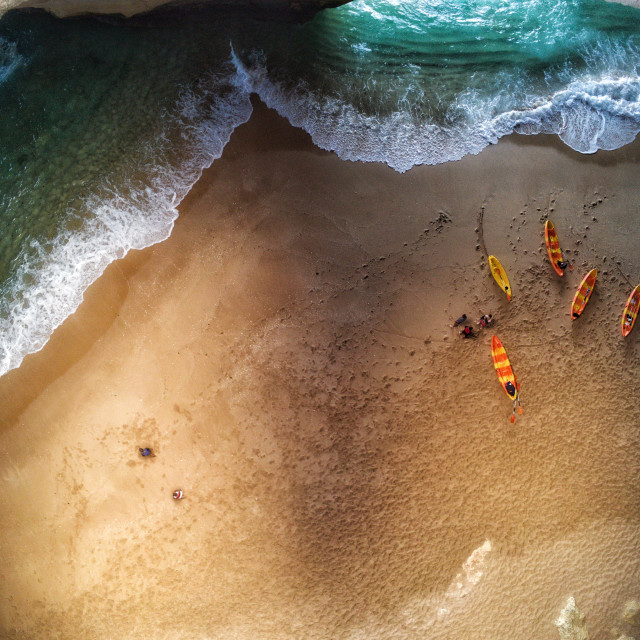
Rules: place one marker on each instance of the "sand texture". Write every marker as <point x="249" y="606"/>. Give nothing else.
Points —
<point x="348" y="465"/>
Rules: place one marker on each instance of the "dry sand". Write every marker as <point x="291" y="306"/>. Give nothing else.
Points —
<point x="347" y="460"/>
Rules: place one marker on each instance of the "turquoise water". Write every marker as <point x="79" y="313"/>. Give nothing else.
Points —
<point x="431" y="81"/>
<point x="104" y="128"/>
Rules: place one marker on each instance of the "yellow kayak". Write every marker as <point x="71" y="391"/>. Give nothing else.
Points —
<point x="500" y="275"/>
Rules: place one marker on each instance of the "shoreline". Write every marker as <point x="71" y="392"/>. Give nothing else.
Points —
<point x="286" y="353"/>
<point x="628" y="153"/>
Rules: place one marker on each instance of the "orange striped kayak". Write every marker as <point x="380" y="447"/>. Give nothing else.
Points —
<point x="503" y="367"/>
<point x="630" y="312"/>
<point x="553" y="246"/>
<point x="583" y="294"/>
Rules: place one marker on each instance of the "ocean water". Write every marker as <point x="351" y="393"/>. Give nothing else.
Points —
<point x="105" y="127"/>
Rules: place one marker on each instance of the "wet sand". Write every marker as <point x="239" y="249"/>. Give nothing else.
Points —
<point x="348" y="465"/>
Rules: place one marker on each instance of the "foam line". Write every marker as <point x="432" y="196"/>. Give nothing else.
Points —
<point x="50" y="280"/>
<point x="587" y="115"/>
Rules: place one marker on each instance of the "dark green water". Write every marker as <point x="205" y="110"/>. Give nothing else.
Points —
<point x="105" y="128"/>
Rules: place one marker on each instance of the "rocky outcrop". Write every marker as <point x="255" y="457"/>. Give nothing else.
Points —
<point x="128" y="8"/>
<point x="631" y="3"/>
<point x="571" y="623"/>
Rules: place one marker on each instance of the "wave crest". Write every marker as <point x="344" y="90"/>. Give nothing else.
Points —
<point x="587" y="115"/>
<point x="50" y="280"/>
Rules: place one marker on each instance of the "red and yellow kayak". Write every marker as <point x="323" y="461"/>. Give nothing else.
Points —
<point x="553" y="246"/>
<point x="503" y="367"/>
<point x="630" y="312"/>
<point x="505" y="373"/>
<point x="583" y="294"/>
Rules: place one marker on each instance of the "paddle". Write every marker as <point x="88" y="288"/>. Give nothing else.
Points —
<point x="516" y="402"/>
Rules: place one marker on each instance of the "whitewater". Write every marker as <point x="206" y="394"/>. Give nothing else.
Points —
<point x="375" y="81"/>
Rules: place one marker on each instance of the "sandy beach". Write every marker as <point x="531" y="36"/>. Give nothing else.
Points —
<point x="348" y="465"/>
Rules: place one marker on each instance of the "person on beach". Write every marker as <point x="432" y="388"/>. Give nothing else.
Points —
<point x="460" y="320"/>
<point x="177" y="494"/>
<point x="485" y="320"/>
<point x="146" y="452"/>
<point x="511" y="390"/>
<point x="467" y="332"/>
<point x="563" y="265"/>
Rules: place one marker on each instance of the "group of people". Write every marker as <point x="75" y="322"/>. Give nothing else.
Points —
<point x="467" y="332"/>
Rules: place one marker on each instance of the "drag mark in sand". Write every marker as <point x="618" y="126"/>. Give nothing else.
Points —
<point x="480" y="232"/>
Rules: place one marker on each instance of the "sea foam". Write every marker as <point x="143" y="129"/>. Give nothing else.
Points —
<point x="587" y="115"/>
<point x="50" y="280"/>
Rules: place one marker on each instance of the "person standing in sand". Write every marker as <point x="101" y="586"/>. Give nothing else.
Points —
<point x="485" y="320"/>
<point x="146" y="452"/>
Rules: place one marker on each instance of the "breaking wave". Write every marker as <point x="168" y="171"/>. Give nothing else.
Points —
<point x="50" y="280"/>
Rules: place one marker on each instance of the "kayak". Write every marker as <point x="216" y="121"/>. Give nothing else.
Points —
<point x="505" y="373"/>
<point x="553" y="246"/>
<point x="500" y="275"/>
<point x="630" y="313"/>
<point x="503" y="367"/>
<point x="583" y="294"/>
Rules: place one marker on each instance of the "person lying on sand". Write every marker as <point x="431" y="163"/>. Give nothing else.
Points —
<point x="460" y="320"/>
